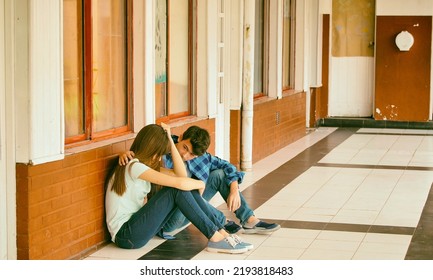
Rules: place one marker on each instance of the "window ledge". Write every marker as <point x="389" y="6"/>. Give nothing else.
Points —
<point x="291" y="92"/>
<point x="263" y="99"/>
<point x="98" y="144"/>
<point x="286" y="93"/>
<point x="184" y="120"/>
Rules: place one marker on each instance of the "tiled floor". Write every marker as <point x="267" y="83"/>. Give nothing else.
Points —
<point x="339" y="194"/>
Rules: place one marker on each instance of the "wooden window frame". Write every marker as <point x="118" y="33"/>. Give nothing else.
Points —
<point x="89" y="135"/>
<point x="170" y="117"/>
<point x="265" y="54"/>
<point x="290" y="88"/>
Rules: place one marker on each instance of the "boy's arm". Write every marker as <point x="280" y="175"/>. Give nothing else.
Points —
<point x="126" y="157"/>
<point x="233" y="179"/>
<point x="231" y="172"/>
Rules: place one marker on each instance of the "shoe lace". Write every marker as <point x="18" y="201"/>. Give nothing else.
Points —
<point x="231" y="241"/>
<point x="236" y="238"/>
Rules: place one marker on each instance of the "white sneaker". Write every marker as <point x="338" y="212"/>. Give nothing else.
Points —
<point x="227" y="245"/>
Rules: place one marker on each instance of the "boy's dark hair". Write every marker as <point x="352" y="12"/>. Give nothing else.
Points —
<point x="199" y="138"/>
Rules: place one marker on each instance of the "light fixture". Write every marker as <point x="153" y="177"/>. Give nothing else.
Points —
<point x="404" y="41"/>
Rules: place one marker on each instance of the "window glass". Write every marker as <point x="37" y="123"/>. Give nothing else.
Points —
<point x="172" y="63"/>
<point x="288" y="43"/>
<point x="259" y="47"/>
<point x="73" y="67"/>
<point x="95" y="68"/>
<point x="108" y="64"/>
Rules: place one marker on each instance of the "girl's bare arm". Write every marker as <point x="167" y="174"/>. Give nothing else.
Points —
<point x="182" y="183"/>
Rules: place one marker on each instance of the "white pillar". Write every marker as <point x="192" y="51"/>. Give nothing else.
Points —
<point x="248" y="86"/>
<point x="8" y="223"/>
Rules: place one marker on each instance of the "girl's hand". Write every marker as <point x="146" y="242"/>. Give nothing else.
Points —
<point x="126" y="157"/>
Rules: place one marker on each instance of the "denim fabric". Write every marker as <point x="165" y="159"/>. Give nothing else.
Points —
<point x="178" y="220"/>
<point x="148" y="221"/>
<point x="217" y="183"/>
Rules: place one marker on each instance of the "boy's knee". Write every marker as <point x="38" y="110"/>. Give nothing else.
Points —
<point x="217" y="174"/>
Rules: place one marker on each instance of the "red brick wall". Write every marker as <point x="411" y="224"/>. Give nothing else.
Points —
<point x="278" y="123"/>
<point x="60" y="205"/>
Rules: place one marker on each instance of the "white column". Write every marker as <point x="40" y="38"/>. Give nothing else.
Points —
<point x="8" y="248"/>
<point x="38" y="80"/>
<point x="248" y="86"/>
<point x="144" y="53"/>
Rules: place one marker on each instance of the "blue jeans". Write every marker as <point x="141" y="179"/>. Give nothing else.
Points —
<point x="215" y="183"/>
<point x="148" y="221"/>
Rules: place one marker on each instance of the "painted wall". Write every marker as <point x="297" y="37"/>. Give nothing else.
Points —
<point x="351" y="59"/>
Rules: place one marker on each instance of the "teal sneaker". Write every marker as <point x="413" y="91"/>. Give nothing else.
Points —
<point x="228" y="245"/>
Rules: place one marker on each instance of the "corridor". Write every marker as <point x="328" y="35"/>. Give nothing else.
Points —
<point x="338" y="193"/>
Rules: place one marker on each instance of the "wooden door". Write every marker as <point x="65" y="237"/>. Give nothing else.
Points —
<point x="402" y="82"/>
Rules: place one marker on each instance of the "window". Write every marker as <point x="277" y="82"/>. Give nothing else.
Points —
<point x="288" y="44"/>
<point x="260" y="47"/>
<point x="96" y="68"/>
<point x="173" y="58"/>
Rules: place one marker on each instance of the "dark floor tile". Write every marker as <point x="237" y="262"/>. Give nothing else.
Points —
<point x="347" y="227"/>
<point x="391" y="230"/>
<point x="421" y="247"/>
<point x="188" y="243"/>
<point x="303" y="225"/>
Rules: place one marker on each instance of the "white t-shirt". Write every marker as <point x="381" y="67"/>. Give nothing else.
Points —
<point x="119" y="209"/>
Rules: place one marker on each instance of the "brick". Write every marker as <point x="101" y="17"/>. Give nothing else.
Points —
<point x="45" y="168"/>
<point x="52" y="245"/>
<point x="40" y="209"/>
<point x="40" y="181"/>
<point x="72" y="185"/>
<point x="96" y="165"/>
<point x="21" y="170"/>
<point x="59" y="215"/>
<point x="35" y="224"/>
<point x="118" y="148"/>
<point x="70" y="236"/>
<point x="86" y="230"/>
<point x="80" y="170"/>
<point x="104" y="152"/>
<point x="60" y="254"/>
<point x="87" y="156"/>
<point x="78" y="247"/>
<point x="62" y="175"/>
<point x="71" y="160"/>
<point x="61" y="201"/>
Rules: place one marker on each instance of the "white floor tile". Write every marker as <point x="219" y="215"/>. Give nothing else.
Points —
<point x="338" y="245"/>
<point x="341" y="236"/>
<point x="326" y="254"/>
<point x="274" y="253"/>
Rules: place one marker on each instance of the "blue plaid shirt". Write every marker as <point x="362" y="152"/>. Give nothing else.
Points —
<point x="200" y="167"/>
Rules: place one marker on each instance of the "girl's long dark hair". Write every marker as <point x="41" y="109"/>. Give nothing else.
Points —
<point x="149" y="146"/>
